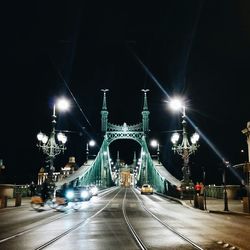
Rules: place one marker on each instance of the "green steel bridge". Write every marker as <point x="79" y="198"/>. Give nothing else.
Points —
<point x="99" y="171"/>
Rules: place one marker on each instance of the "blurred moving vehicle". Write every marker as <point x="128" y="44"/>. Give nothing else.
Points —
<point x="93" y="190"/>
<point x="78" y="194"/>
<point x="147" y="189"/>
<point x="37" y="202"/>
<point x="72" y="197"/>
<point x="43" y="196"/>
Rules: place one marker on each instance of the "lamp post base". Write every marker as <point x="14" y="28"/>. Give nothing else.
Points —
<point x="225" y="201"/>
<point x="246" y="204"/>
<point x="187" y="190"/>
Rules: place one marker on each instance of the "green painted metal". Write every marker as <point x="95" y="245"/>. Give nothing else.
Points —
<point x="147" y="171"/>
<point x="104" y="111"/>
<point x="99" y="171"/>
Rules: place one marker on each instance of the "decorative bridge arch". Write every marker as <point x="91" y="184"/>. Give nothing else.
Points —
<point x="135" y="132"/>
<point x="99" y="171"/>
<point x="116" y="132"/>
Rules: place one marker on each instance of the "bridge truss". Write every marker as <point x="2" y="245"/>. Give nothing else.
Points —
<point x="99" y="170"/>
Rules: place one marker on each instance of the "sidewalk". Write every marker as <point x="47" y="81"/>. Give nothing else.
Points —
<point x="213" y="205"/>
<point x="218" y="205"/>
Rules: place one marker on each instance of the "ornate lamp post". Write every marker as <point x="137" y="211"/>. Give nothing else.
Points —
<point x="246" y="169"/>
<point x="55" y="143"/>
<point x="91" y="143"/>
<point x="185" y="148"/>
<point x="225" y="185"/>
<point x="155" y="144"/>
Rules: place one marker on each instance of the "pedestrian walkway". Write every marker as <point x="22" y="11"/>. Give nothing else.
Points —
<point x="213" y="205"/>
<point x="218" y="205"/>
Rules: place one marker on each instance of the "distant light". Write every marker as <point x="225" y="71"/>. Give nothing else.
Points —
<point x="63" y="104"/>
<point x="91" y="143"/>
<point x="154" y="143"/>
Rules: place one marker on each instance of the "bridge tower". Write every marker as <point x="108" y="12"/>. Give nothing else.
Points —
<point x="137" y="132"/>
<point x="100" y="172"/>
<point x="104" y="112"/>
<point x="145" y="113"/>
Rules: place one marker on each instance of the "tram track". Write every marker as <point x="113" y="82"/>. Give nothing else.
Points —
<point x="81" y="223"/>
<point x="61" y="216"/>
<point x="135" y="228"/>
<point x="136" y="236"/>
<point x="30" y="229"/>
<point x="196" y="246"/>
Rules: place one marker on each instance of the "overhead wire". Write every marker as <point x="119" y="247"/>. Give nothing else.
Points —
<point x="67" y="86"/>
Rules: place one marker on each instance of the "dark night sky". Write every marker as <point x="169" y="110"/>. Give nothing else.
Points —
<point x="197" y="49"/>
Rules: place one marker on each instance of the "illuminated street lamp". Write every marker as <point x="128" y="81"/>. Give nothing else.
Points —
<point x="2" y="167"/>
<point x="185" y="148"/>
<point x="91" y="143"/>
<point x="53" y="144"/>
<point x="155" y="144"/>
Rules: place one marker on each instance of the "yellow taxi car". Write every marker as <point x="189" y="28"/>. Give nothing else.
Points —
<point x="146" y="189"/>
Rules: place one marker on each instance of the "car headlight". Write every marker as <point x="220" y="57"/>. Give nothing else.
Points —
<point x="69" y="194"/>
<point x="84" y="194"/>
<point x="94" y="190"/>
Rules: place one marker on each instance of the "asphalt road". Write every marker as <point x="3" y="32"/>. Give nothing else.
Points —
<point x="101" y="223"/>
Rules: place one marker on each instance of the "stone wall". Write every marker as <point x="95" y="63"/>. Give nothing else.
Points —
<point x="7" y="190"/>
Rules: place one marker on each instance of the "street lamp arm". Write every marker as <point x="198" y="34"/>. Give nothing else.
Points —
<point x="179" y="149"/>
<point x="53" y="150"/>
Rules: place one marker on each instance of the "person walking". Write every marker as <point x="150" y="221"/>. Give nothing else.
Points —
<point x="32" y="188"/>
<point x="197" y="188"/>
